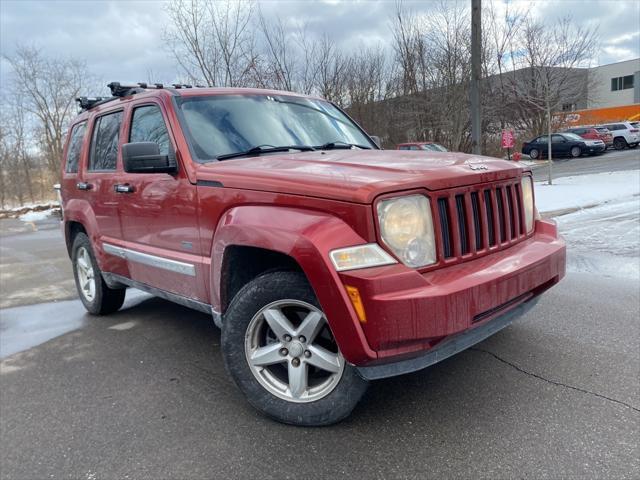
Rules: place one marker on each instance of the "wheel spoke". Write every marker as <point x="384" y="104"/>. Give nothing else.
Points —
<point x="323" y="359"/>
<point x="278" y="322"/>
<point x="297" y="379"/>
<point x="267" y="355"/>
<point x="82" y="263"/>
<point x="311" y="326"/>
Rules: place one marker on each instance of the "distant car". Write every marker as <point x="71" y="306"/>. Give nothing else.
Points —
<point x="562" y="145"/>
<point x="431" y="146"/>
<point x="625" y="134"/>
<point x="593" y="133"/>
<point x="606" y="134"/>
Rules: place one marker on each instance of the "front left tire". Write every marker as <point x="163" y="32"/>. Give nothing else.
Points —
<point x="279" y="349"/>
<point x="575" y="152"/>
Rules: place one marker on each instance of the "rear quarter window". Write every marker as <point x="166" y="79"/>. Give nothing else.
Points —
<point x="76" y="138"/>
<point x="104" y="142"/>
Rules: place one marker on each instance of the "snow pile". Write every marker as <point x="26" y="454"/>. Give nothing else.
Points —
<point x="586" y="190"/>
<point x="15" y="212"/>
<point x="37" y="216"/>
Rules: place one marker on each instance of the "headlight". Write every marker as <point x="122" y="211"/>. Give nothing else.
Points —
<point x="406" y="227"/>
<point x="527" y="202"/>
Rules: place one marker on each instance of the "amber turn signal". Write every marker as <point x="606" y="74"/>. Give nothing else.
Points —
<point x="356" y="301"/>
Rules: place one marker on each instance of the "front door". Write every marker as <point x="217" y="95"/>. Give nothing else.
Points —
<point x="159" y="215"/>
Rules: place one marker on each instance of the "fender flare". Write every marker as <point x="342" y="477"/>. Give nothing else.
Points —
<point x="307" y="236"/>
<point x="80" y="211"/>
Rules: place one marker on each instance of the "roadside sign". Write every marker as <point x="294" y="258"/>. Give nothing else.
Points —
<point x="508" y="139"/>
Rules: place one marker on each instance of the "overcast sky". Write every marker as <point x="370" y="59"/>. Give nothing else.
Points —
<point x="122" y="40"/>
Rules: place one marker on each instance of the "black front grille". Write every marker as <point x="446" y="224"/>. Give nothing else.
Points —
<point x="475" y="206"/>
<point x="469" y="219"/>
<point x="462" y="224"/>
<point x="489" y="207"/>
<point x="443" y="210"/>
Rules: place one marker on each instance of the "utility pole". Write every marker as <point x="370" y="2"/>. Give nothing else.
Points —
<point x="476" y="63"/>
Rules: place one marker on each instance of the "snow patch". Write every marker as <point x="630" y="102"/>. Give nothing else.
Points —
<point x="37" y="216"/>
<point x="586" y="190"/>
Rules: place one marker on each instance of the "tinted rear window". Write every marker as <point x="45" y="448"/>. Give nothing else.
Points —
<point x="104" y="143"/>
<point x="75" y="147"/>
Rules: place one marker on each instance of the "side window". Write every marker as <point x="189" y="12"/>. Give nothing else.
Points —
<point x="75" y="147"/>
<point x="104" y="142"/>
<point x="557" y="138"/>
<point x="543" y="139"/>
<point x="414" y="147"/>
<point x="147" y="125"/>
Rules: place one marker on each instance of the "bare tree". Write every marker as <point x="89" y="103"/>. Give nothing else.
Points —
<point x="332" y="71"/>
<point x="48" y="87"/>
<point x="549" y="70"/>
<point x="281" y="61"/>
<point x="213" y="42"/>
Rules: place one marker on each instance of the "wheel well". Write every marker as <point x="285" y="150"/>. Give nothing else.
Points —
<point x="73" y="228"/>
<point x="242" y="264"/>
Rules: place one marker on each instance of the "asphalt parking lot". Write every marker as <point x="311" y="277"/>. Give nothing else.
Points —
<point x="144" y="394"/>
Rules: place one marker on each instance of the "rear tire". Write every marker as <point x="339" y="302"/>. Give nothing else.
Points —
<point x="287" y="369"/>
<point x="534" y="154"/>
<point x="94" y="293"/>
<point x="619" y="143"/>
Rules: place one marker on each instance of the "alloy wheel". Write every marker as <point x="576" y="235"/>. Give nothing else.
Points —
<point x="85" y="274"/>
<point x="292" y="353"/>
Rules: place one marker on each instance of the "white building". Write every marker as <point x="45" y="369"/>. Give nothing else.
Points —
<point x="615" y="84"/>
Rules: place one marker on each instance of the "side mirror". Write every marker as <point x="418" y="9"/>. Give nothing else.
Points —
<point x="376" y="140"/>
<point x="145" y="157"/>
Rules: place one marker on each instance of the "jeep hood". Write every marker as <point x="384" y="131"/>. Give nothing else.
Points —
<point x="355" y="175"/>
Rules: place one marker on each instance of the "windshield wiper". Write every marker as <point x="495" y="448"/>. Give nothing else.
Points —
<point x="260" y="149"/>
<point x="341" y="144"/>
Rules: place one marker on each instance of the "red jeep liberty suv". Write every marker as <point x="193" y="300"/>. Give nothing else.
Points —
<point x="326" y="261"/>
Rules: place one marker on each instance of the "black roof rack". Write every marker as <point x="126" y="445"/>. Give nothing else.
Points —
<point x="85" y="103"/>
<point x="119" y="90"/>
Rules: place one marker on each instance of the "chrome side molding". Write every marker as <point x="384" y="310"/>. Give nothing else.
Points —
<point x="151" y="260"/>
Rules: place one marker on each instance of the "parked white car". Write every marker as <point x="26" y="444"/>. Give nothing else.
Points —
<point x="625" y="134"/>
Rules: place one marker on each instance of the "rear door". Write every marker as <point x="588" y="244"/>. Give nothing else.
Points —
<point x="96" y="184"/>
<point x="158" y="212"/>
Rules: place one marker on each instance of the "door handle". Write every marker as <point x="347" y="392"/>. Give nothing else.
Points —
<point x="124" y="188"/>
<point x="84" y="186"/>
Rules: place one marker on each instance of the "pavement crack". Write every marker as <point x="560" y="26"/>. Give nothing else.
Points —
<point x="553" y="382"/>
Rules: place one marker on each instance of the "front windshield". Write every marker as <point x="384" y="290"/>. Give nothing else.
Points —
<point x="225" y="124"/>
<point x="572" y="136"/>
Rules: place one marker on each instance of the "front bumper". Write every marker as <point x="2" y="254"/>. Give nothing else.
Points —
<point x="408" y="313"/>
<point x="596" y="148"/>
<point x="448" y="347"/>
